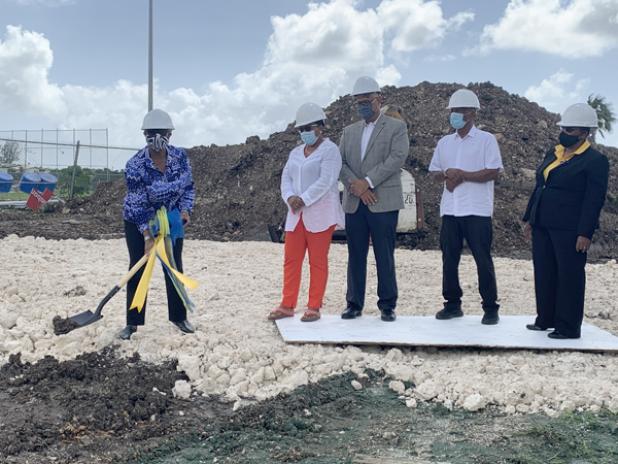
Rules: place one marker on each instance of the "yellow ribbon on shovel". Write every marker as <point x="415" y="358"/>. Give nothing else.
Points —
<point x="160" y="250"/>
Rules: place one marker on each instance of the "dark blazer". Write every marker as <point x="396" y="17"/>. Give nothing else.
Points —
<point x="572" y="196"/>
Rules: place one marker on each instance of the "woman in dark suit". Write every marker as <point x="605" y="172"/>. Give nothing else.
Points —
<point x="561" y="217"/>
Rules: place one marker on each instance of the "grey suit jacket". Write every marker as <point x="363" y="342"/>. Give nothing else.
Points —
<point x="386" y="154"/>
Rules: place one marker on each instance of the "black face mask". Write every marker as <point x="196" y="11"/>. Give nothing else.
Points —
<point x="567" y="140"/>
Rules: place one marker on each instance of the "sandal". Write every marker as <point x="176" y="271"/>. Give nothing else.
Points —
<point x="311" y="315"/>
<point x="280" y="313"/>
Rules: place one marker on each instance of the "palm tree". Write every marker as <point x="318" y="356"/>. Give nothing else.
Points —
<point x="604" y="113"/>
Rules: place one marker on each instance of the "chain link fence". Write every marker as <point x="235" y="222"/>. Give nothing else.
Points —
<point x="79" y="159"/>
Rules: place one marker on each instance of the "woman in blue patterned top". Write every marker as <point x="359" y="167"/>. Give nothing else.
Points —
<point x="158" y="175"/>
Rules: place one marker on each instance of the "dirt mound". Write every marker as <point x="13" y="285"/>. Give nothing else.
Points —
<point x="238" y="185"/>
<point x="49" y="401"/>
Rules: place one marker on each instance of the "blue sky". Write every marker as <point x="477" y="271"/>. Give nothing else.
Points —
<point x="228" y="70"/>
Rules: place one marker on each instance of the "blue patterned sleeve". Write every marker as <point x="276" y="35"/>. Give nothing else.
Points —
<point x="188" y="197"/>
<point x="162" y="191"/>
<point x="137" y="208"/>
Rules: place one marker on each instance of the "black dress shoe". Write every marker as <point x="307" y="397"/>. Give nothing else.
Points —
<point x="125" y="334"/>
<point x="535" y="327"/>
<point x="490" y="318"/>
<point x="559" y="336"/>
<point x="445" y="313"/>
<point x="388" y="315"/>
<point x="351" y="313"/>
<point x="184" y="326"/>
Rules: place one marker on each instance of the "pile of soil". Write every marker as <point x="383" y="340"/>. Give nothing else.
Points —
<point x="59" y="408"/>
<point x="238" y="185"/>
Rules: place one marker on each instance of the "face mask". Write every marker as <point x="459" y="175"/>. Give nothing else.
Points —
<point x="309" y="137"/>
<point x="567" y="140"/>
<point x="157" y="142"/>
<point x="366" y="111"/>
<point x="457" y="120"/>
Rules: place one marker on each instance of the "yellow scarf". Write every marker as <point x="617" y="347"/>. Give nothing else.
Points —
<point x="561" y="158"/>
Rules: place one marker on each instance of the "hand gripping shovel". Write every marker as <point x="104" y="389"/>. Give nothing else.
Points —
<point x="63" y="326"/>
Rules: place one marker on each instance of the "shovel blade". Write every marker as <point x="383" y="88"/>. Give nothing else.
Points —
<point x="85" y="318"/>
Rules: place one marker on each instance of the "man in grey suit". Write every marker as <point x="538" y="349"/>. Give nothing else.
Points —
<point x="374" y="150"/>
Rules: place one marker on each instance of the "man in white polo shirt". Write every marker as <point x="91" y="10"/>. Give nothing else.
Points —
<point x="467" y="162"/>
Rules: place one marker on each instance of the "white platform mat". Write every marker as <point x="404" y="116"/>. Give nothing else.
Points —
<point x="465" y="331"/>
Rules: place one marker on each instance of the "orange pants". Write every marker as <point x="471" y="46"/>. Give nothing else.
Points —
<point x="296" y="244"/>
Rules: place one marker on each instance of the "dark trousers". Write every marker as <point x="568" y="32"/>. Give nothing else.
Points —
<point x="477" y="231"/>
<point x="559" y="280"/>
<point x="381" y="227"/>
<point x="135" y="243"/>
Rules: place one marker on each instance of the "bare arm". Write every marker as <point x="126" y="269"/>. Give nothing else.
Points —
<point x="484" y="175"/>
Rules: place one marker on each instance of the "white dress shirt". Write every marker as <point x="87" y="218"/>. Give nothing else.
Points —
<point x="478" y="150"/>
<point x="314" y="179"/>
<point x="366" y="136"/>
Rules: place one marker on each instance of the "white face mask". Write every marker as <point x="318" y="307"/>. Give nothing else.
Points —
<point x="157" y="142"/>
<point x="309" y="137"/>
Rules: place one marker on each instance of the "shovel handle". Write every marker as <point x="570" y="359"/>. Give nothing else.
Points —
<point x="133" y="271"/>
<point x="136" y="267"/>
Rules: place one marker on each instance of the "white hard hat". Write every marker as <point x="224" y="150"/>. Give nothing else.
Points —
<point x="308" y="113"/>
<point x="365" y="84"/>
<point x="464" y="98"/>
<point x="579" y="115"/>
<point x="157" y="119"/>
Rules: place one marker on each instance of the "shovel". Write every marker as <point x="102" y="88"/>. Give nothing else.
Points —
<point x="62" y="326"/>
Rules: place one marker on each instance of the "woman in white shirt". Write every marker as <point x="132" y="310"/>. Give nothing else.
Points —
<point x="309" y="186"/>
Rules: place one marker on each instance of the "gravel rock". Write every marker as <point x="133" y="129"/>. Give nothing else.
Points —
<point x="182" y="389"/>
<point x="474" y="402"/>
<point x="237" y="355"/>
<point x="397" y="386"/>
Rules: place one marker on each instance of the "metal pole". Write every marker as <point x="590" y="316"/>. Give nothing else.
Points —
<point x="107" y="152"/>
<point x="13" y="136"/>
<point x="57" y="148"/>
<point x="150" y="56"/>
<point x="41" y="148"/>
<point x="74" y="169"/>
<point x="90" y="149"/>
<point x="26" y="152"/>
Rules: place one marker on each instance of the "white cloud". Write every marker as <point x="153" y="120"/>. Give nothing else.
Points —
<point x="572" y="29"/>
<point x="440" y="58"/>
<point x="558" y="91"/>
<point x="25" y="60"/>
<point x="311" y="57"/>
<point x="416" y="24"/>
<point x="388" y="75"/>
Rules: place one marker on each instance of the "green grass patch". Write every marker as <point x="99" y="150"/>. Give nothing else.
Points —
<point x="13" y="196"/>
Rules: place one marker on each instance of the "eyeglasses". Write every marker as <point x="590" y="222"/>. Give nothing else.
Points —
<point x="308" y="127"/>
<point x="569" y="129"/>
